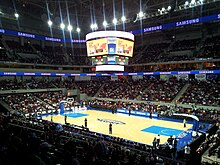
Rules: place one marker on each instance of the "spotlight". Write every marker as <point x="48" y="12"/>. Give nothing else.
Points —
<point x="115" y="21"/>
<point x="169" y="8"/>
<point x="50" y="23"/>
<point x="16" y="15"/>
<point x="141" y="14"/>
<point x="94" y="26"/>
<point x="163" y="9"/>
<point x="193" y="2"/>
<point x="62" y="26"/>
<point x="199" y="2"/>
<point x="70" y="28"/>
<point x="78" y="30"/>
<point x="186" y="3"/>
<point x="123" y="18"/>
<point x="105" y="23"/>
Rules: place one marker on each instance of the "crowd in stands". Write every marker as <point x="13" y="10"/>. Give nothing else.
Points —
<point x="157" y="52"/>
<point x="36" y="84"/>
<point x="202" y="92"/>
<point x="51" y="98"/>
<point x="16" y="46"/>
<point x="163" y="110"/>
<point x="39" y="84"/>
<point x="146" y="107"/>
<point x="11" y="85"/>
<point x="67" y="83"/>
<point x="162" y="90"/>
<point x="198" y="92"/>
<point x="52" y="143"/>
<point x="168" y="57"/>
<point x="180" y="45"/>
<point x="123" y="89"/>
<point x="3" y="55"/>
<point x="203" y="114"/>
<point x="34" y="53"/>
<point x="148" y="90"/>
<point x="210" y="148"/>
<point x="151" y="53"/>
<point x="89" y="87"/>
<point x="210" y="48"/>
<point x="26" y="103"/>
<point x="35" y="141"/>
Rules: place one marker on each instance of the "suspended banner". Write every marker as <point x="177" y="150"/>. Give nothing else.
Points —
<point x="122" y="74"/>
<point x="178" y="24"/>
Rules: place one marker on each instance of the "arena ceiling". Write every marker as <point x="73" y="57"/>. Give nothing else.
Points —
<point x="87" y="11"/>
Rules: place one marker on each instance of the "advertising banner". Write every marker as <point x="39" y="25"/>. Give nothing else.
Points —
<point x="201" y="77"/>
<point x="183" y="76"/>
<point x="114" y="78"/>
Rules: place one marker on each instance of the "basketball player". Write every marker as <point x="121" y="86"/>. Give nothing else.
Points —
<point x="86" y="122"/>
<point x="184" y="123"/>
<point x="110" y="128"/>
<point x="65" y="119"/>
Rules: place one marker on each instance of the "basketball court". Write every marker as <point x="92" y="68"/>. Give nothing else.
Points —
<point x="138" y="129"/>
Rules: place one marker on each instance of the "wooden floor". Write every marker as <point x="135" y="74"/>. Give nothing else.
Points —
<point x="131" y="130"/>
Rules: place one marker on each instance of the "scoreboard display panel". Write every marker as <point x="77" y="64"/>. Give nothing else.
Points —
<point x="97" y="47"/>
<point x="120" y="60"/>
<point x="124" y="47"/>
<point x="99" y="60"/>
<point x="109" y="59"/>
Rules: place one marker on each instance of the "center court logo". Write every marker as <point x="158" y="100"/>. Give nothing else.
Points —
<point x="111" y="121"/>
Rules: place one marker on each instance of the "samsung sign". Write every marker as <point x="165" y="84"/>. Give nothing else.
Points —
<point x="187" y="22"/>
<point x="53" y="39"/>
<point x="153" y="28"/>
<point x="26" y="35"/>
<point x="177" y="24"/>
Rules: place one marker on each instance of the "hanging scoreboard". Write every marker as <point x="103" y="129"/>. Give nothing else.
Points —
<point x="110" y="47"/>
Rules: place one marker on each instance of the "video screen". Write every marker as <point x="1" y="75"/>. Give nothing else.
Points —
<point x="124" y="47"/>
<point x="97" y="47"/>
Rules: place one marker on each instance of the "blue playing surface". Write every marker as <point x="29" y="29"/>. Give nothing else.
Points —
<point x="162" y="130"/>
<point x="74" y="115"/>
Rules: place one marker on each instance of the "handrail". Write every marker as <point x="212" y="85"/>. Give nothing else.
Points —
<point x="26" y="127"/>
